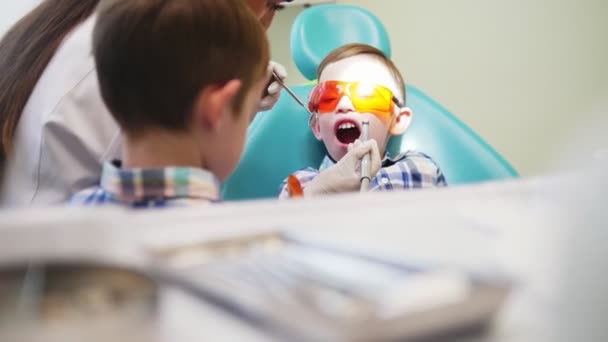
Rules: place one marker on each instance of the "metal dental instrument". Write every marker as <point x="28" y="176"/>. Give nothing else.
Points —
<point x="366" y="160"/>
<point x="292" y="94"/>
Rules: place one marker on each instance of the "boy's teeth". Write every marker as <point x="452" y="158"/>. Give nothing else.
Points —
<point x="346" y="125"/>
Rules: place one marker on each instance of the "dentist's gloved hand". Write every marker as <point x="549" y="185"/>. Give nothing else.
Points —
<point x="345" y="175"/>
<point x="271" y="95"/>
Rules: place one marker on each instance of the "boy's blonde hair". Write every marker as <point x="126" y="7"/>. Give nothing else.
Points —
<point x="356" y="49"/>
<point x="153" y="57"/>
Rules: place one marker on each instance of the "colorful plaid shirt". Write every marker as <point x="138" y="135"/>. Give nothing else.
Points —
<point x="410" y="170"/>
<point x="143" y="188"/>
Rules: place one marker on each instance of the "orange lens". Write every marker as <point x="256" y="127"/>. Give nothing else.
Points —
<point x="326" y="96"/>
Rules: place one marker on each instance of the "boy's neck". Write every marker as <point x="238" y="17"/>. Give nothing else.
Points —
<point x="158" y="149"/>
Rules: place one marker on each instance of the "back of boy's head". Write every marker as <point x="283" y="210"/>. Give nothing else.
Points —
<point x="154" y="57"/>
<point x="356" y="49"/>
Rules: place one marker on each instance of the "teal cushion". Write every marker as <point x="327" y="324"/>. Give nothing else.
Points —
<point x="463" y="156"/>
<point x="320" y="29"/>
<point x="279" y="142"/>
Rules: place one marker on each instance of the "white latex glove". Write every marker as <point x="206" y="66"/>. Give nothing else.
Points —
<point x="274" y="88"/>
<point x="345" y="175"/>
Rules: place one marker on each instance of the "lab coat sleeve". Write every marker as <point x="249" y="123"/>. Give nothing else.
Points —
<point x="78" y="137"/>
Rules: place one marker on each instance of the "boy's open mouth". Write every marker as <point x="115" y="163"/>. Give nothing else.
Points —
<point x="347" y="131"/>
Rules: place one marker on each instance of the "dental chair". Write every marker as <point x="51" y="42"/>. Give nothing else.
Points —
<point x="281" y="142"/>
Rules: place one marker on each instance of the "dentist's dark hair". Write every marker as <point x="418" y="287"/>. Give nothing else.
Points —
<point x="26" y="50"/>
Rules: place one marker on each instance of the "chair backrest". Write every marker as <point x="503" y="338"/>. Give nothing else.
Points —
<point x="319" y="30"/>
<point x="280" y="141"/>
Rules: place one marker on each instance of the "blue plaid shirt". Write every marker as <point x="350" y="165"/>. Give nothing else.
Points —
<point x="409" y="170"/>
<point x="143" y="188"/>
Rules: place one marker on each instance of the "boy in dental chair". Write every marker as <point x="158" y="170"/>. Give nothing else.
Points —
<point x="359" y="83"/>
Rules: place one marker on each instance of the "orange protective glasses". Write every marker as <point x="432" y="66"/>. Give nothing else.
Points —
<point x="365" y="97"/>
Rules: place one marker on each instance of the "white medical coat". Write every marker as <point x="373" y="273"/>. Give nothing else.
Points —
<point x="65" y="132"/>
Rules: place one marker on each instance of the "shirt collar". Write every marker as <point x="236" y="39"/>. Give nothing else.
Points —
<point x="142" y="184"/>
<point x="326" y="163"/>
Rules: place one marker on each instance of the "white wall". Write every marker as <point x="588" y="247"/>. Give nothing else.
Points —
<point x="12" y="10"/>
<point x="519" y="72"/>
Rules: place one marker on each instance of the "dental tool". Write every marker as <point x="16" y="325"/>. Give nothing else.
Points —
<point x="366" y="160"/>
<point x="292" y="94"/>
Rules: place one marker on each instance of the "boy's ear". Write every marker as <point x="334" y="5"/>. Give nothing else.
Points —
<point x="402" y="121"/>
<point x="214" y="102"/>
<point x="314" y="125"/>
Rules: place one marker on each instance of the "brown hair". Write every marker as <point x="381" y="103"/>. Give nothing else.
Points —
<point x="356" y="49"/>
<point x="25" y="51"/>
<point x="153" y="57"/>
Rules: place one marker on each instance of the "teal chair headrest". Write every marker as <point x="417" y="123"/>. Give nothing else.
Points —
<point x="321" y="29"/>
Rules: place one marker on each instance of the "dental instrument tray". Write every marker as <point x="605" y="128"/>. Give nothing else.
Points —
<point x="299" y="289"/>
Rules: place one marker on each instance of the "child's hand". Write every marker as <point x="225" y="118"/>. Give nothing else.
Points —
<point x="271" y="94"/>
<point x="345" y="175"/>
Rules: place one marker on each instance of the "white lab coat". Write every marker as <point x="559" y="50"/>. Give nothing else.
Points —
<point x="65" y="132"/>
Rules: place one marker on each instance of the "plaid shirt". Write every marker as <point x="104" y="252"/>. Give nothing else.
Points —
<point x="143" y="188"/>
<point x="410" y="170"/>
